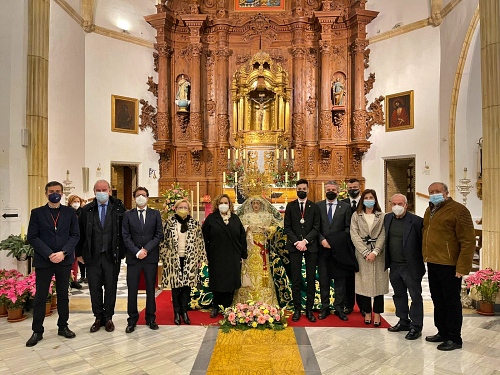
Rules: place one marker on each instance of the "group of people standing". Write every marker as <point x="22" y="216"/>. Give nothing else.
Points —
<point x="350" y="241"/>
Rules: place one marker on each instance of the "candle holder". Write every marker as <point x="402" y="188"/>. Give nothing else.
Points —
<point x="67" y="188"/>
<point x="464" y="187"/>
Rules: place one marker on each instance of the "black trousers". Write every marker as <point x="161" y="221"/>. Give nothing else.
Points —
<point x="349" y="292"/>
<point x="43" y="279"/>
<point x="366" y="304"/>
<point x="133" y="276"/>
<point x="339" y="286"/>
<point x="181" y="296"/>
<point x="296" y="268"/>
<point x="82" y="269"/>
<point x="445" y="293"/>
<point x="402" y="284"/>
<point x="103" y="273"/>
<point x="222" y="298"/>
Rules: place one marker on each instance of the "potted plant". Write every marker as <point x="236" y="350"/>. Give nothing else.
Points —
<point x="17" y="247"/>
<point x="16" y="288"/>
<point x="487" y="284"/>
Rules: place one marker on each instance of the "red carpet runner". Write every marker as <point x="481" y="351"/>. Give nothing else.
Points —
<point x="165" y="316"/>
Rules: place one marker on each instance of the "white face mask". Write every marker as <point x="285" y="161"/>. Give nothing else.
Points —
<point x="223" y="208"/>
<point x="141" y="200"/>
<point x="398" y="210"/>
<point x="75" y="205"/>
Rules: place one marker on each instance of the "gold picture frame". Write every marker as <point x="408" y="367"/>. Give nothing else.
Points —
<point x="124" y="114"/>
<point x="399" y="111"/>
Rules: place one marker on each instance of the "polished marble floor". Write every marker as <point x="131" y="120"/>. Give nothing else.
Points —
<point x="174" y="350"/>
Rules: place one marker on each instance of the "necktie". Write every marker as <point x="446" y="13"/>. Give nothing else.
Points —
<point x="141" y="218"/>
<point x="354" y="205"/>
<point x="302" y="207"/>
<point x="330" y="213"/>
<point x="103" y="214"/>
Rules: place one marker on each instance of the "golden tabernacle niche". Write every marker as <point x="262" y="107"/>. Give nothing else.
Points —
<point x="261" y="98"/>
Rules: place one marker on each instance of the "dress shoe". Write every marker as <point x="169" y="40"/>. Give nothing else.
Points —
<point x="177" y="318"/>
<point x="449" y="345"/>
<point x="323" y="314"/>
<point x="341" y="315"/>
<point x="76" y="285"/>
<point x="436" y="338"/>
<point x="310" y="316"/>
<point x="296" y="316"/>
<point x="413" y="334"/>
<point x="35" y="337"/>
<point x="130" y="328"/>
<point x="214" y="312"/>
<point x="153" y="325"/>
<point x="376" y="323"/>
<point x="110" y="327"/>
<point x="66" y="332"/>
<point x="96" y="326"/>
<point x="347" y="310"/>
<point x="185" y="317"/>
<point x="398" y="328"/>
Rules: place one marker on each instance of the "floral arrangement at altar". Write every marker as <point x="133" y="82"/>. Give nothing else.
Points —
<point x="15" y="288"/>
<point x="279" y="176"/>
<point x="234" y="167"/>
<point x="256" y="315"/>
<point x="485" y="282"/>
<point x="343" y="194"/>
<point x="172" y="195"/>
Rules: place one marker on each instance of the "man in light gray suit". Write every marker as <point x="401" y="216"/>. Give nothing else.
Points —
<point x="334" y="250"/>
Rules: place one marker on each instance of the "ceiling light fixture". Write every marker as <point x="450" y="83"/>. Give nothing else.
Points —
<point x="123" y="25"/>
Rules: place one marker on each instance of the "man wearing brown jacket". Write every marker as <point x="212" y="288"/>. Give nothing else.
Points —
<point x="448" y="248"/>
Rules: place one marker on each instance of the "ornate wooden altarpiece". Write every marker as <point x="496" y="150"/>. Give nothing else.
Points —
<point x="260" y="75"/>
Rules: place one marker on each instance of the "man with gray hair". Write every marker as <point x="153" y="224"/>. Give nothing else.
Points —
<point x="101" y="248"/>
<point x="403" y="255"/>
<point x="448" y="247"/>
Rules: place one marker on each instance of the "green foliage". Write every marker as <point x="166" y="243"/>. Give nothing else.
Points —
<point x="17" y="247"/>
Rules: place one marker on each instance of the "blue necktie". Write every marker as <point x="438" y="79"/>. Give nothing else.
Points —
<point x="141" y="218"/>
<point x="103" y="214"/>
<point x="330" y="213"/>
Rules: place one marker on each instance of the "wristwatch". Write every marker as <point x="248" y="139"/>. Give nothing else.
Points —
<point x="65" y="253"/>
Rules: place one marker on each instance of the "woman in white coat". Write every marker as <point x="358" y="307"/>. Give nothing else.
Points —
<point x="368" y="236"/>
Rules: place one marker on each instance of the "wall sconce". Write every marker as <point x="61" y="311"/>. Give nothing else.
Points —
<point x="123" y="26"/>
<point x="427" y="169"/>
<point x="98" y="171"/>
<point x="152" y="173"/>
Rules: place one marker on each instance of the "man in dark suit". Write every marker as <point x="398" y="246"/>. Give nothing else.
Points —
<point x="403" y="235"/>
<point x="101" y="248"/>
<point x="335" y="219"/>
<point x="302" y="222"/>
<point x="354" y="191"/>
<point x="53" y="232"/>
<point x="142" y="234"/>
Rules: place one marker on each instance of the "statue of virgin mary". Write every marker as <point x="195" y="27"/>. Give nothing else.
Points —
<point x="263" y="276"/>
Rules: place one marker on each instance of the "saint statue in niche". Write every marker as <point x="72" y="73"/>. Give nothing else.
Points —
<point x="338" y="92"/>
<point x="182" y="96"/>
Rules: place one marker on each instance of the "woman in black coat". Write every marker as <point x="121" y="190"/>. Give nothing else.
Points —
<point x="226" y="246"/>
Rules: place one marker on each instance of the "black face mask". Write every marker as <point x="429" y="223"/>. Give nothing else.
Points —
<point x="353" y="193"/>
<point x="54" y="197"/>
<point x="331" y="195"/>
<point x="302" y="194"/>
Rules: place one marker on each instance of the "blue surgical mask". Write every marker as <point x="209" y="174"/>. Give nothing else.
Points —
<point x="435" y="199"/>
<point x="102" y="197"/>
<point x="369" y="203"/>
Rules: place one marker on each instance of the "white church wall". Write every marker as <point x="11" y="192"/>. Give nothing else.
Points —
<point x="468" y="126"/>
<point x="407" y="62"/>
<point x="452" y="34"/>
<point x="13" y="159"/>
<point x="117" y="68"/>
<point x="393" y="12"/>
<point x="66" y="99"/>
<point x="75" y="4"/>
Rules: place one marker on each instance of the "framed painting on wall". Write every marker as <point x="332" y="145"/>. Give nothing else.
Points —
<point x="399" y="111"/>
<point x="124" y="114"/>
<point x="260" y="5"/>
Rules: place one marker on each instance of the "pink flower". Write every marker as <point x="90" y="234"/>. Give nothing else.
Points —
<point x="277" y="317"/>
<point x="273" y="311"/>
<point x="261" y="320"/>
<point x="231" y="317"/>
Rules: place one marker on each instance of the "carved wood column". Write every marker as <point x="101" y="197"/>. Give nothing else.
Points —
<point x="490" y="82"/>
<point x="358" y="96"/>
<point x="222" y="63"/>
<point x="298" y="116"/>
<point x="37" y="99"/>
<point x="164" y="100"/>
<point x="325" y="117"/>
